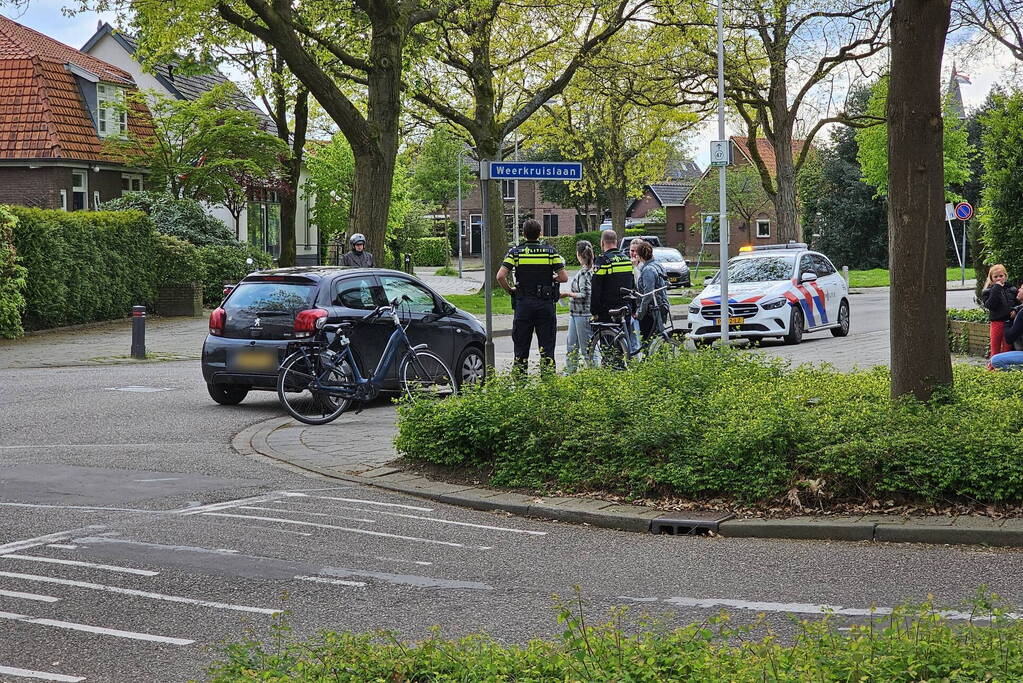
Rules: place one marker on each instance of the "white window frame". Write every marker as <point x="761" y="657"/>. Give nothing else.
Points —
<point x="111" y="112"/>
<point x="63" y="200"/>
<point x="762" y="222"/>
<point x="132" y="178"/>
<point x="704" y="229"/>
<point x="83" y="188"/>
<point x="95" y="200"/>
<point x="509" y="188"/>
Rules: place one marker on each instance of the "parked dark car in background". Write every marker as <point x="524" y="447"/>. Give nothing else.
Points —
<point x="251" y="329"/>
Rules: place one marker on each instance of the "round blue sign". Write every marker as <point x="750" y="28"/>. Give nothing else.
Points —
<point x="964" y="211"/>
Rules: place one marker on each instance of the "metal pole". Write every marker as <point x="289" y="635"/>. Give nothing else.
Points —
<point x="955" y="245"/>
<point x="962" y="261"/>
<point x="138" y="332"/>
<point x="459" y="230"/>
<point x="488" y="293"/>
<point x="515" y="220"/>
<point x="722" y="191"/>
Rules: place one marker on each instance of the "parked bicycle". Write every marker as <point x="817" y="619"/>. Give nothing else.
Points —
<point x="609" y="343"/>
<point x="322" y="378"/>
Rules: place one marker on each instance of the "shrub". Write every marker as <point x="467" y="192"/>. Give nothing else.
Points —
<point x="12" y="278"/>
<point x="184" y="218"/>
<point x="175" y="261"/>
<point x="226" y="263"/>
<point x="83" y="266"/>
<point x="1002" y="203"/>
<point x="715" y="423"/>
<point x="431" y="251"/>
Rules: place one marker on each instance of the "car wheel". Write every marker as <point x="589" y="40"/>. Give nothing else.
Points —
<point x="843" y="320"/>
<point x="471" y="367"/>
<point x="227" y="394"/>
<point x="795" y="334"/>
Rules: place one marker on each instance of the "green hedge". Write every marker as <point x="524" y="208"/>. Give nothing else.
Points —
<point x="565" y="244"/>
<point x="431" y="251"/>
<point x="175" y="261"/>
<point x="226" y="263"/>
<point x="713" y="424"/>
<point x="12" y="279"/>
<point x="83" y="266"/>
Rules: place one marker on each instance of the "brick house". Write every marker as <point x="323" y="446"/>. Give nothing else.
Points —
<point x="672" y="191"/>
<point x="683" y="216"/>
<point x="62" y="116"/>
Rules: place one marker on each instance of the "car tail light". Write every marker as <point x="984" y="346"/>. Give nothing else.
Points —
<point x="308" y="321"/>
<point x="217" y="318"/>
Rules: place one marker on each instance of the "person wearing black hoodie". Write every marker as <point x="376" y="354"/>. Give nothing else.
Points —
<point x="1011" y="360"/>
<point x="999" y="298"/>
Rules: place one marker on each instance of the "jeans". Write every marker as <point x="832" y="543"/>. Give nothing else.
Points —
<point x="578" y="342"/>
<point x="1010" y="360"/>
<point x="634" y="336"/>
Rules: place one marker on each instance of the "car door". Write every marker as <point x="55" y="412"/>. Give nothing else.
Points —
<point x="811" y="294"/>
<point x="352" y="298"/>
<point x="832" y="284"/>
<point x="427" y="324"/>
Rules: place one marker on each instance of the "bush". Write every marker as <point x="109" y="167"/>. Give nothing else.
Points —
<point x="175" y="261"/>
<point x="1002" y="203"/>
<point x="183" y="218"/>
<point x="12" y="279"/>
<point x="83" y="266"/>
<point x="431" y="251"/>
<point x="713" y="424"/>
<point x="226" y="263"/>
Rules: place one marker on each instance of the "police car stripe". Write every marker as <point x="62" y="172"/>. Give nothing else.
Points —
<point x="819" y="300"/>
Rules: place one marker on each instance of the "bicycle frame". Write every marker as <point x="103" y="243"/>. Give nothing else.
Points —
<point x="624" y="326"/>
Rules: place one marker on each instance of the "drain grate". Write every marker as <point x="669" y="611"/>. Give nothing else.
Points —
<point x="688" y="523"/>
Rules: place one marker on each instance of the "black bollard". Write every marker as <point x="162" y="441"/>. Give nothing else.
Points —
<point x="408" y="264"/>
<point x="138" y="332"/>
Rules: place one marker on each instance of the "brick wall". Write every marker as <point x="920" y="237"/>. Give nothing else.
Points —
<point x="35" y="187"/>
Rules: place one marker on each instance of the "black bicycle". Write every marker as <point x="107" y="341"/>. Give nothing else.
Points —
<point x="610" y="345"/>
<point x="321" y="378"/>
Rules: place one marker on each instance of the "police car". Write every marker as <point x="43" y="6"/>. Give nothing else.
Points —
<point x="777" y="290"/>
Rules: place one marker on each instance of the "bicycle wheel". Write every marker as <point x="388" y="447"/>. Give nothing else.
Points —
<point x="424" y="375"/>
<point x="673" y="346"/>
<point x="297" y="393"/>
<point x="609" y="349"/>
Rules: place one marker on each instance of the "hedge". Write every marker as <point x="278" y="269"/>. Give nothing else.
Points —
<point x="735" y="425"/>
<point x="565" y="244"/>
<point x="182" y="218"/>
<point x="431" y="251"/>
<point x="12" y="279"/>
<point x="226" y="263"/>
<point x="175" y="261"/>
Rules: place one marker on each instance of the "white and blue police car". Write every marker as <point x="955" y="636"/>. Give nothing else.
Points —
<point x="776" y="290"/>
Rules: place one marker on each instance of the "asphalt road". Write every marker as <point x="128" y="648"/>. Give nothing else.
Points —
<point x="134" y="543"/>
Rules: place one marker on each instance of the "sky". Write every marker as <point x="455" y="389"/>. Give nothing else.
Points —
<point x="47" y="16"/>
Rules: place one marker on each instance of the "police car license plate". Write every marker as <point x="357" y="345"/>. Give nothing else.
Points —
<point x="731" y="321"/>
<point x="255" y="360"/>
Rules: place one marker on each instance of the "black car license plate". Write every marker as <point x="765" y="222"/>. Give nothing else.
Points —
<point x="254" y="360"/>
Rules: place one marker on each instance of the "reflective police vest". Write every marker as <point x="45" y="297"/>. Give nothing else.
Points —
<point x="535" y="264"/>
<point x="611" y="271"/>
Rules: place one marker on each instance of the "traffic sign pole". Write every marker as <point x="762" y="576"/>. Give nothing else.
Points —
<point x="488" y="292"/>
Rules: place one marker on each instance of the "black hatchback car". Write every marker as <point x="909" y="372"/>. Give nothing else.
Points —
<point x="251" y="329"/>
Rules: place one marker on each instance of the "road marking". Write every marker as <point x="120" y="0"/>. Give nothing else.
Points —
<point x="92" y="540"/>
<point x="162" y="479"/>
<point x="117" y="633"/>
<point x="447" y="521"/>
<point x="340" y="528"/>
<point x="105" y="445"/>
<point x="76" y="563"/>
<point x="140" y="389"/>
<point x="41" y="675"/>
<point x="318" y="514"/>
<point x="804" y="608"/>
<point x="336" y="582"/>
<point x="15" y="546"/>
<point x="65" y="546"/>
<point x="28" y="596"/>
<point x="140" y="594"/>
<point x="395" y="559"/>
<point x="291" y="494"/>
<point x="77" y="507"/>
<point x="228" y="504"/>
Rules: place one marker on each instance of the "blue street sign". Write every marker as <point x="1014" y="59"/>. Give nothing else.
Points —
<point x="536" y="170"/>
<point x="964" y="211"/>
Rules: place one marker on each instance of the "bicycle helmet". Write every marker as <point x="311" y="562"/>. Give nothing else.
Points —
<point x="357" y="238"/>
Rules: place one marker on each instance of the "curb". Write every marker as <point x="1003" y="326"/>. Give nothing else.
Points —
<point x="938" y="530"/>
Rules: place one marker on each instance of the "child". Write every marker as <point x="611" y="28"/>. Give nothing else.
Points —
<point x="999" y="300"/>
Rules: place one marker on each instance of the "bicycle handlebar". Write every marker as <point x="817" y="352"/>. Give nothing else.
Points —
<point x="634" y="294"/>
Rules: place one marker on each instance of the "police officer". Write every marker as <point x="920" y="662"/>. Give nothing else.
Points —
<point x="612" y="270"/>
<point x="358" y="256"/>
<point x="538" y="270"/>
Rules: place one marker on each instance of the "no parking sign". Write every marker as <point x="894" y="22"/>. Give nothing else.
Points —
<point x="964" y="211"/>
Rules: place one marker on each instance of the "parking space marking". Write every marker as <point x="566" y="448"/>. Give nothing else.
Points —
<point x="421" y="563"/>
<point x="292" y="494"/>
<point x="336" y="582"/>
<point x="63" y="546"/>
<point x="447" y="521"/>
<point x="39" y="675"/>
<point x="228" y="504"/>
<point x="101" y="630"/>
<point x="77" y="563"/>
<point x="28" y="596"/>
<point x="318" y="514"/>
<point x="15" y="546"/>
<point x="140" y="594"/>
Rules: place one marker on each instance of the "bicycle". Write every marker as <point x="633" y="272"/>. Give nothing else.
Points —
<point x="321" y="379"/>
<point x="610" y="340"/>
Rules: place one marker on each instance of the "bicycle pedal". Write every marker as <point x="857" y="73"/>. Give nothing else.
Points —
<point x="358" y="407"/>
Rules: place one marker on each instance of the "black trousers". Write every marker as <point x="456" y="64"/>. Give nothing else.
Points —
<point x="652" y="324"/>
<point x="534" y="315"/>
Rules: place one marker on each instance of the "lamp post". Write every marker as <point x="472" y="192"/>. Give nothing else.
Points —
<point x="458" y="231"/>
<point x="722" y="168"/>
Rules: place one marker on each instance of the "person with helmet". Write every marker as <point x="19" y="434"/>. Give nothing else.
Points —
<point x="358" y="256"/>
<point x="538" y="271"/>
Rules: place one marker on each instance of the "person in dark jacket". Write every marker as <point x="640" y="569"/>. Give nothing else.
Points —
<point x="653" y="308"/>
<point x="358" y="256"/>
<point x="1013" y="339"/>
<point x="612" y="270"/>
<point x="999" y="299"/>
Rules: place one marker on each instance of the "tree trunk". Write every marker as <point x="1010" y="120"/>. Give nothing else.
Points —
<point x="616" y="198"/>
<point x="371" y="199"/>
<point x="289" y="210"/>
<point x="785" y="192"/>
<point x="916" y="230"/>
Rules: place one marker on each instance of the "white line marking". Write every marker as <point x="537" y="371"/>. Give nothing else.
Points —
<point x="292" y="494"/>
<point x="163" y="479"/>
<point x="139" y="594"/>
<point x="336" y="582"/>
<point x="92" y="540"/>
<point x="102" y="445"/>
<point x="806" y="608"/>
<point x="446" y="521"/>
<point x="41" y="675"/>
<point x="318" y="514"/>
<point x="117" y="633"/>
<point x="76" y="563"/>
<point x="228" y="504"/>
<point x="340" y="528"/>
<point x="395" y="559"/>
<point x="77" y="507"/>
<point x="65" y="546"/>
<point x="15" y="546"/>
<point x="28" y="596"/>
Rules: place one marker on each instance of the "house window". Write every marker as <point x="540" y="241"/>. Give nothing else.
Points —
<point x="111" y="112"/>
<point x="131" y="182"/>
<point x="711" y="228"/>
<point x="475" y="233"/>
<point x="95" y="200"/>
<point x="264" y="226"/>
<point x="550" y="225"/>
<point x="680" y="227"/>
<point x="79" y="190"/>
<point x="508" y="188"/>
<point x="763" y="228"/>
<point x="63" y="200"/>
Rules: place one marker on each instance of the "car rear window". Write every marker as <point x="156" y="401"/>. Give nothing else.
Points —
<point x="270" y="297"/>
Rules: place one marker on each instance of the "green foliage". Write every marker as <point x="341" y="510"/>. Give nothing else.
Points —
<point x="183" y="218"/>
<point x="12" y="278"/>
<point x="1001" y="213"/>
<point x="431" y="251"/>
<point x="731" y="424"/>
<point x="83" y="266"/>
<point x="914" y="642"/>
<point x="226" y="263"/>
<point x="746" y="198"/>
<point x="659" y="215"/>
<point x="959" y="339"/>
<point x="331" y="169"/>
<point x="175" y="261"/>
<point x="446" y="271"/>
<point x="436" y="166"/>
<point x="873" y="145"/>
<point x="972" y="315"/>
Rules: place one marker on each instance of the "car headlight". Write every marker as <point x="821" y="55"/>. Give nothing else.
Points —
<point x="771" y="305"/>
<point x="694" y="308"/>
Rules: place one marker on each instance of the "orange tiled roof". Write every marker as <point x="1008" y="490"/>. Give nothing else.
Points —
<point x="766" y="150"/>
<point x="42" y="112"/>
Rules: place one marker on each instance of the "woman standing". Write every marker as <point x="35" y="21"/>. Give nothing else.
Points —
<point x="653" y="308"/>
<point x="579" y="308"/>
<point x="999" y="300"/>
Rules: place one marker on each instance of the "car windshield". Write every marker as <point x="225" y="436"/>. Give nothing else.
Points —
<point x="267" y="298"/>
<point x="758" y="269"/>
<point x="667" y="255"/>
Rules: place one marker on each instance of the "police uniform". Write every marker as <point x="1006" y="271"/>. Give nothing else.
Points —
<point x="535" y="265"/>
<point x="612" y="270"/>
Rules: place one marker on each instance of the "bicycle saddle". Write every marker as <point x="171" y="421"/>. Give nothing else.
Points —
<point x="619" y="312"/>
<point x="337" y="327"/>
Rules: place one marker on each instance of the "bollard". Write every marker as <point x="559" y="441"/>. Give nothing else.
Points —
<point x="408" y="264"/>
<point x="138" y="332"/>
<point x="845" y="274"/>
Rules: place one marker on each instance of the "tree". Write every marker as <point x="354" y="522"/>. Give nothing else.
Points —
<point x="873" y="143"/>
<point x="435" y="171"/>
<point x="920" y="360"/>
<point x="746" y="198"/>
<point x="999" y="20"/>
<point x="1001" y="213"/>
<point x="182" y="218"/>
<point x="331" y="181"/>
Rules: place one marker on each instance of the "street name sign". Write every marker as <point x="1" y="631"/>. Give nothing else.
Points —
<point x="536" y="170"/>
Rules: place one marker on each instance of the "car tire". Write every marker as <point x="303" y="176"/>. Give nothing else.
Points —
<point x="843" y="320"/>
<point x="795" y="334"/>
<point x="227" y="394"/>
<point x="471" y="368"/>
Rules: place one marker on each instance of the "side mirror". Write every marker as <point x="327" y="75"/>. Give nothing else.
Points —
<point x="808" y="277"/>
<point x="447" y="309"/>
